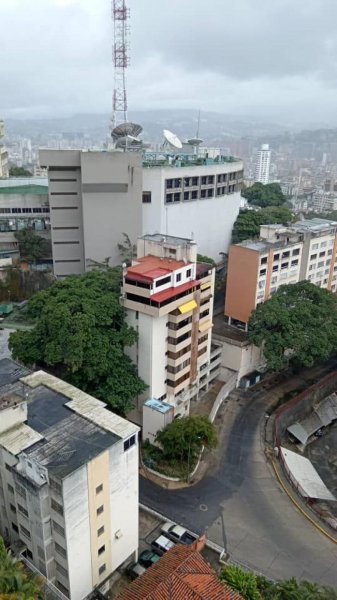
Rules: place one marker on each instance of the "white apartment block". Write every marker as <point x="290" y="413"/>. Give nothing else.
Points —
<point x="306" y="250"/>
<point x="4" y="165"/>
<point x="262" y="166"/>
<point x="169" y="301"/>
<point x="94" y="197"/>
<point x="198" y="198"/>
<point x="68" y="480"/>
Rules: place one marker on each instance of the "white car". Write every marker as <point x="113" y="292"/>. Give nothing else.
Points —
<point x="161" y="545"/>
<point x="178" y="534"/>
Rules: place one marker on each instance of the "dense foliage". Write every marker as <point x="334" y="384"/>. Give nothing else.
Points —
<point x="19" y="172"/>
<point x="32" y="246"/>
<point x="298" y="323"/>
<point x="80" y="335"/>
<point x="183" y="438"/>
<point x="15" y="582"/>
<point x="206" y="259"/>
<point x="264" y="195"/>
<point x="248" y="223"/>
<point x="256" y="587"/>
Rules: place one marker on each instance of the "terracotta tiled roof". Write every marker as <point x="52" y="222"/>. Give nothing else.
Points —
<point x="181" y="574"/>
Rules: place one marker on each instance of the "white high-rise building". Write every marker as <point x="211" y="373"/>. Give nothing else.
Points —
<point x="4" y="167"/>
<point x="68" y="481"/>
<point x="262" y="166"/>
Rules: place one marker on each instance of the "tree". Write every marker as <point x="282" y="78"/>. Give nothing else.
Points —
<point x="298" y="323"/>
<point x="244" y="582"/>
<point x="206" y="259"/>
<point x="15" y="582"/>
<point x="80" y="335"/>
<point x="32" y="247"/>
<point x="183" y="438"/>
<point x="19" y="172"/>
<point x="264" y="195"/>
<point x="248" y="223"/>
<point x="127" y="249"/>
<point x="256" y="587"/>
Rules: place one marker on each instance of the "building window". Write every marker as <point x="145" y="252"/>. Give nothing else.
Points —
<point x="194" y="195"/>
<point x="61" y="569"/>
<point x="264" y="260"/>
<point x="56" y="506"/>
<point x="100" y="510"/>
<point x="129" y="443"/>
<point x="101" y="550"/>
<point x="57" y="528"/>
<point x="169" y="198"/>
<point x="176" y="197"/>
<point x="203" y="193"/>
<point x="204" y="181"/>
<point x="102" y="569"/>
<point x="15" y="528"/>
<point x="147" y="199"/>
<point x="8" y="467"/>
<point x="163" y="281"/>
<point x="13" y="509"/>
<point x="25" y="532"/>
<point x="99" y="488"/>
<point x="29" y="554"/>
<point x="22" y="510"/>
<point x="100" y="531"/>
<point x="178" y="277"/>
<point x="169" y="184"/>
<point x="55" y="485"/>
<point x="177" y="183"/>
<point x="263" y="272"/>
<point x="210" y="193"/>
<point x="186" y="195"/>
<point x="276" y="256"/>
<point x="188" y="273"/>
<point x="62" y="588"/>
<point x="61" y="551"/>
<point x="10" y="488"/>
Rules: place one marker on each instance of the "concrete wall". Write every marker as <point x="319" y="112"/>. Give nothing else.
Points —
<point x="240" y="358"/>
<point x="124" y="497"/>
<point x="242" y="276"/>
<point x="152" y="348"/>
<point x="196" y="219"/>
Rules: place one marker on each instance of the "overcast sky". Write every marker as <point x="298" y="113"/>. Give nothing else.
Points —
<point x="272" y="58"/>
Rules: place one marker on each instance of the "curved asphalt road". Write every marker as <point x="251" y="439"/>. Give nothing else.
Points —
<point x="244" y="509"/>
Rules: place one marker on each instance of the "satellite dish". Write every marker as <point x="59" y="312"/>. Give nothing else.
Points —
<point x="195" y="141"/>
<point x="172" y="139"/>
<point x="128" y="141"/>
<point x="126" y="129"/>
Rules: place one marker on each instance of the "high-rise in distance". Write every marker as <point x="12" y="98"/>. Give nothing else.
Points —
<point x="262" y="165"/>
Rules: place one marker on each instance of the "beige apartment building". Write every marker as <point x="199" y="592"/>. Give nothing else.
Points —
<point x="68" y="481"/>
<point x="168" y="296"/>
<point x="94" y="197"/>
<point x="282" y="255"/>
<point x="4" y="165"/>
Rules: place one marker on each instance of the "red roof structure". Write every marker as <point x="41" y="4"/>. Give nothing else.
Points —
<point x="151" y="267"/>
<point x="181" y="574"/>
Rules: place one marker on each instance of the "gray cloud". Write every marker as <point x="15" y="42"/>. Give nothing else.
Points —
<point x="266" y="57"/>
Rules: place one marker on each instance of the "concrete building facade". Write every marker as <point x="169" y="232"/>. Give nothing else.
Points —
<point x="283" y="255"/>
<point x="68" y="480"/>
<point x="262" y="166"/>
<point x="191" y="199"/>
<point x="94" y="197"/>
<point x="169" y="301"/>
<point x="4" y="165"/>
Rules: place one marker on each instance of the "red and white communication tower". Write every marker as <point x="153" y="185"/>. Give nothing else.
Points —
<point x="120" y="14"/>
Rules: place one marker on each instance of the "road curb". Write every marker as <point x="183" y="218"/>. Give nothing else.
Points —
<point x="321" y="529"/>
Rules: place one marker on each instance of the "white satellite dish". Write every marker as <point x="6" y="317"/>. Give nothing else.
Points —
<point x="195" y="141"/>
<point x="172" y="139"/>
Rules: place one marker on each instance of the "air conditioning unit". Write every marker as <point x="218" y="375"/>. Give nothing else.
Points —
<point x="118" y="534"/>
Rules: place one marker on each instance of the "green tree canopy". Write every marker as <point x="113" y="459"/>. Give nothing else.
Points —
<point x="206" y="259"/>
<point x="264" y="195"/>
<point x="15" y="582"/>
<point x="80" y="335"/>
<point x="183" y="438"/>
<point x="257" y="587"/>
<point x="299" y="322"/>
<point x="32" y="246"/>
<point x="248" y="223"/>
<point x="19" y="172"/>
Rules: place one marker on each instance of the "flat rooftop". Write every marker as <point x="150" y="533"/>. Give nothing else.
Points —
<point x="264" y="246"/>
<point x="66" y="435"/>
<point x="160" y="159"/>
<point x="171" y="240"/>
<point x="39" y="190"/>
<point x="314" y="225"/>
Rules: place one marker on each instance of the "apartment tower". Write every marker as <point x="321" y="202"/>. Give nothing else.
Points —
<point x="4" y="166"/>
<point x="262" y="165"/>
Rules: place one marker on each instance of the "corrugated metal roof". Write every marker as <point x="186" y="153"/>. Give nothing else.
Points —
<point x="324" y="414"/>
<point x="19" y="438"/>
<point x="305" y="476"/>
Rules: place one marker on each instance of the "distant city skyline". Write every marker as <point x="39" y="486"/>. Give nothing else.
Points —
<point x="275" y="60"/>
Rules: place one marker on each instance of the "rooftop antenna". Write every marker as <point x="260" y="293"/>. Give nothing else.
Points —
<point x="120" y="15"/>
<point x="195" y="142"/>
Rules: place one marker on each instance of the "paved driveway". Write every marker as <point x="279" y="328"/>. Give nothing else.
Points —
<point x="245" y="510"/>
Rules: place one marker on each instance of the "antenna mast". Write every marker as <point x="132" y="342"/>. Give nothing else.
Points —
<point x="120" y="15"/>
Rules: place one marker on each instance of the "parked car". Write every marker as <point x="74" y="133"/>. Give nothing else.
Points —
<point x="161" y="545"/>
<point x="178" y="534"/>
<point x="135" y="571"/>
<point x="148" y="558"/>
